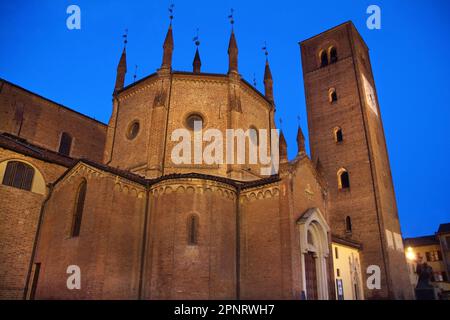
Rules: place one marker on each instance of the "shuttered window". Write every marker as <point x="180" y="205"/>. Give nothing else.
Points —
<point x="19" y="175"/>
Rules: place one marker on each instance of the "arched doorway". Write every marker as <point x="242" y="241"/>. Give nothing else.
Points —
<point x="314" y="249"/>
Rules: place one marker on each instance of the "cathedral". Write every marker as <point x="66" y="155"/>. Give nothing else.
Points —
<point x="106" y="202"/>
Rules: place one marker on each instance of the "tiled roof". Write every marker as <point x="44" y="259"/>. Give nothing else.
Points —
<point x="444" y="228"/>
<point x="22" y="146"/>
<point x="148" y="182"/>
<point x="10" y="142"/>
<point x="421" y="241"/>
<point x="346" y="242"/>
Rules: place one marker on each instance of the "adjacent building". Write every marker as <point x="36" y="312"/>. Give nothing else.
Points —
<point x="433" y="250"/>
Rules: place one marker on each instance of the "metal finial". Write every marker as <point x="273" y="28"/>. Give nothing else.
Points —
<point x="231" y="17"/>
<point x="281" y="123"/>
<point x="135" y="72"/>
<point x="266" y="53"/>
<point x="196" y="39"/>
<point x="125" y="37"/>
<point x="298" y="120"/>
<point x="171" y="9"/>
<point x="254" y="79"/>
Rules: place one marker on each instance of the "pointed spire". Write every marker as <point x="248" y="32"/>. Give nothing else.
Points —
<point x="283" y="148"/>
<point x="122" y="66"/>
<point x="197" y="64"/>
<point x="168" y="49"/>
<point x="168" y="44"/>
<point x="232" y="48"/>
<point x="267" y="72"/>
<point x="268" y="82"/>
<point x="232" y="54"/>
<point x="300" y="140"/>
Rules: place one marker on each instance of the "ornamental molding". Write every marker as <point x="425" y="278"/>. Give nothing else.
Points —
<point x="138" y="89"/>
<point x="223" y="81"/>
<point x="266" y="192"/>
<point x="88" y="172"/>
<point x="245" y="88"/>
<point x="192" y="186"/>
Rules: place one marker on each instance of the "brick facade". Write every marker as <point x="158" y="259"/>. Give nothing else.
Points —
<point x="20" y="211"/>
<point x="41" y="121"/>
<point x="370" y="200"/>
<point x="251" y="233"/>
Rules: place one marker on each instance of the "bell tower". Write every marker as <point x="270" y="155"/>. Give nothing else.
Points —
<point x="347" y="139"/>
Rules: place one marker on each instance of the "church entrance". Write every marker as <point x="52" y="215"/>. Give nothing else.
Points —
<point x="314" y="250"/>
<point x="311" y="276"/>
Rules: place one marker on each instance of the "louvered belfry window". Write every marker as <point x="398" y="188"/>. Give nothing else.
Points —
<point x="19" y="175"/>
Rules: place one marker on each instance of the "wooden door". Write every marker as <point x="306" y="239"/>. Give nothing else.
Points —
<point x="311" y="276"/>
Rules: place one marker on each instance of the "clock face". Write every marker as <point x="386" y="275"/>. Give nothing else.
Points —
<point x="369" y="94"/>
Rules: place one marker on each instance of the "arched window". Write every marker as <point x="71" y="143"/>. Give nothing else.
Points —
<point x="254" y="135"/>
<point x="78" y="209"/>
<point x="332" y="95"/>
<point x="323" y="59"/>
<point x="333" y="55"/>
<point x="192" y="230"/>
<point x="338" y="136"/>
<point x="348" y="224"/>
<point x="65" y="144"/>
<point x="19" y="175"/>
<point x="343" y="179"/>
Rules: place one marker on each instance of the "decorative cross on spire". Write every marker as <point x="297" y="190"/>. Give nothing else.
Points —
<point x="266" y="53"/>
<point x="171" y="8"/>
<point x="231" y="17"/>
<point x="196" y="39"/>
<point x="125" y="38"/>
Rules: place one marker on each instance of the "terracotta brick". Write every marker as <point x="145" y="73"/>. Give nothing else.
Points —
<point x="370" y="201"/>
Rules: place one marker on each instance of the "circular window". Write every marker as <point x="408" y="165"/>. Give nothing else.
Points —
<point x="194" y="120"/>
<point x="133" y="130"/>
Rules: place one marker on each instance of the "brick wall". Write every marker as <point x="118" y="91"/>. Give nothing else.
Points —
<point x="41" y="122"/>
<point x="174" y="269"/>
<point x="370" y="201"/>
<point x="161" y="104"/>
<point x="109" y="246"/>
<point x="19" y="215"/>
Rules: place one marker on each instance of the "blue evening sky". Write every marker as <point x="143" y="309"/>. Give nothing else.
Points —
<point x="410" y="57"/>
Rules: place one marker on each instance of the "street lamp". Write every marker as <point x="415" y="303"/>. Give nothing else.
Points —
<point x="410" y="255"/>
